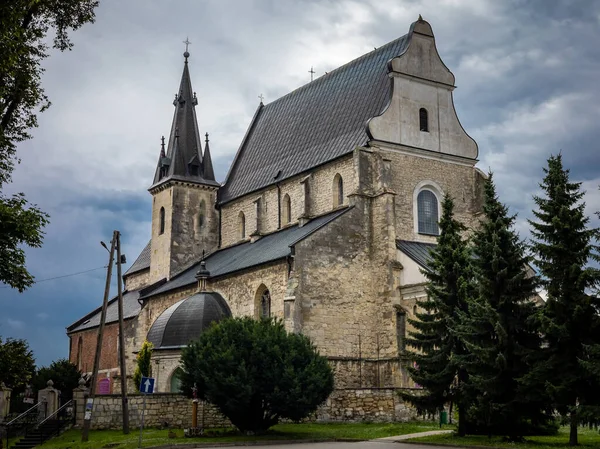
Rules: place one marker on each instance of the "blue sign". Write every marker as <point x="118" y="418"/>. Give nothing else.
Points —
<point x="147" y="385"/>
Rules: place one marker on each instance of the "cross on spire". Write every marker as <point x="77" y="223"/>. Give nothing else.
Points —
<point x="186" y="54"/>
<point x="261" y="97"/>
<point x="312" y="72"/>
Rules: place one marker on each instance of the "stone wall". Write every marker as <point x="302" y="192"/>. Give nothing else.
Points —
<point x="175" y="410"/>
<point x="137" y="280"/>
<point x="320" y="182"/>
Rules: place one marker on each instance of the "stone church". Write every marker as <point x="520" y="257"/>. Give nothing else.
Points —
<point x="324" y="220"/>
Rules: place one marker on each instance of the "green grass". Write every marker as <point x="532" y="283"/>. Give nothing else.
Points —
<point x="322" y="432"/>
<point x="587" y="438"/>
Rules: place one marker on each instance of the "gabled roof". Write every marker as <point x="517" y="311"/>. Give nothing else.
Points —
<point x="131" y="308"/>
<point x="185" y="145"/>
<point x="319" y="122"/>
<point x="417" y="251"/>
<point x="142" y="262"/>
<point x="267" y="249"/>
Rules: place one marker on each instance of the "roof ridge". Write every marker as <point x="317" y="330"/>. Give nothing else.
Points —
<point x="322" y="77"/>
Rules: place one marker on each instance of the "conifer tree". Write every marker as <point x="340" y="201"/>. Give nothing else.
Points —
<point x="564" y="245"/>
<point x="498" y="330"/>
<point x="435" y="345"/>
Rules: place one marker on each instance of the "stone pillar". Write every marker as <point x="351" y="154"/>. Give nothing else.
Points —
<point x="4" y="401"/>
<point x="80" y="395"/>
<point x="49" y="395"/>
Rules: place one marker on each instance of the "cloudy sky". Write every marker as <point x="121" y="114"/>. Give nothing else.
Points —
<point x="527" y="86"/>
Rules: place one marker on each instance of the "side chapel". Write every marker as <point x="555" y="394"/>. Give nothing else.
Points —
<point x="324" y="220"/>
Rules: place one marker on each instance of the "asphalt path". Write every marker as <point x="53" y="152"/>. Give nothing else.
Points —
<point x="373" y="444"/>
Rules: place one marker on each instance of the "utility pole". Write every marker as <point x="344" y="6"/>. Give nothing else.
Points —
<point x="85" y="432"/>
<point x="125" y="405"/>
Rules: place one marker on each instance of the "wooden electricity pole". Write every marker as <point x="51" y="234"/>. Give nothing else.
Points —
<point x="125" y="405"/>
<point x="90" y="401"/>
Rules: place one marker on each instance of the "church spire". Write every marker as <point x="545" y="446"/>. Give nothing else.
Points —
<point x="184" y="147"/>
<point x="207" y="167"/>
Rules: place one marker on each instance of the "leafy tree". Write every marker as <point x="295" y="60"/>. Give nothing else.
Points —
<point x="256" y="373"/>
<point x="564" y="247"/>
<point x="498" y="329"/>
<point x="24" y="28"/>
<point x="437" y="347"/>
<point x="63" y="373"/>
<point x="144" y="367"/>
<point x="17" y="364"/>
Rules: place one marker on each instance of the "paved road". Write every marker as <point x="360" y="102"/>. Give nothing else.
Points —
<point x="373" y="444"/>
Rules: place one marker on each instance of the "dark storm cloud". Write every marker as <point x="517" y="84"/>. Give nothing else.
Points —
<point x="526" y="87"/>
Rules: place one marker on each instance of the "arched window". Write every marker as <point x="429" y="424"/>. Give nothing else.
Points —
<point x="162" y="221"/>
<point x="263" y="302"/>
<point x="338" y="190"/>
<point x="175" y="383"/>
<point x="242" y="225"/>
<point x="414" y="311"/>
<point x="201" y="214"/>
<point x="401" y="330"/>
<point x="287" y="209"/>
<point x="427" y="213"/>
<point x="79" y="353"/>
<point x="423" y="120"/>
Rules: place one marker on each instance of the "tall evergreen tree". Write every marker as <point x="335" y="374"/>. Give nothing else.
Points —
<point x="498" y="330"/>
<point x="435" y="345"/>
<point x="564" y="245"/>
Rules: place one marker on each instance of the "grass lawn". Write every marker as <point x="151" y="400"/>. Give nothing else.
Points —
<point x="587" y="438"/>
<point x="153" y="437"/>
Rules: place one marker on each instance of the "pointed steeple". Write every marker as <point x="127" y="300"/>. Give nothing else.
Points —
<point x="184" y="148"/>
<point x="207" y="167"/>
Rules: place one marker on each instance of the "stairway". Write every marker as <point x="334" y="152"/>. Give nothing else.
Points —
<point x="44" y="432"/>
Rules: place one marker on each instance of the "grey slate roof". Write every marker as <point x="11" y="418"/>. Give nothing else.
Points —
<point x="131" y="308"/>
<point x="185" y="146"/>
<point x="185" y="320"/>
<point x="142" y="262"/>
<point x="235" y="258"/>
<point x="314" y="124"/>
<point x="417" y="251"/>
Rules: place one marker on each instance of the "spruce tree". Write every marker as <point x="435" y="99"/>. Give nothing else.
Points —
<point x="564" y="245"/>
<point x="497" y="330"/>
<point x="435" y="345"/>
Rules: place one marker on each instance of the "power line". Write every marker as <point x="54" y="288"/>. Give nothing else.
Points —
<point x="63" y="276"/>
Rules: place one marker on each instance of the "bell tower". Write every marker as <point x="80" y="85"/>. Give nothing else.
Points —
<point x="184" y="190"/>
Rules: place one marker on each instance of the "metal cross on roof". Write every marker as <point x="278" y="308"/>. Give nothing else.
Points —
<point x="261" y="97"/>
<point x="186" y="42"/>
<point x="312" y="72"/>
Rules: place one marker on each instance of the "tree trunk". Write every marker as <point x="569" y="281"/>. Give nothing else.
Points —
<point x="462" y="421"/>
<point x="573" y="433"/>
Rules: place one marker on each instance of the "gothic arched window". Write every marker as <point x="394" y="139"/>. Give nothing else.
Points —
<point x="338" y="190"/>
<point x="242" y="225"/>
<point x="423" y="120"/>
<point x="175" y="383"/>
<point x="162" y="221"/>
<point x="287" y="209"/>
<point x="201" y="214"/>
<point x="427" y="212"/>
<point x="263" y="302"/>
<point x="79" y="353"/>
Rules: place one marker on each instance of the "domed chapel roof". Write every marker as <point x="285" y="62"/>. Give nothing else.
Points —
<point x="185" y="320"/>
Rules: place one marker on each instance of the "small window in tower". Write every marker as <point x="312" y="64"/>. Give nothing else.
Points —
<point x="201" y="214"/>
<point x="423" y="120"/>
<point x="401" y="330"/>
<point x="287" y="209"/>
<point x="242" y="225"/>
<point x="162" y="220"/>
<point x="338" y="191"/>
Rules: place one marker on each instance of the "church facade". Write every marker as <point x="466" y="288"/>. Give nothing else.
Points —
<point x="324" y="220"/>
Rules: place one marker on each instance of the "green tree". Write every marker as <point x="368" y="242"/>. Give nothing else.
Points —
<point x="17" y="364"/>
<point x="437" y="348"/>
<point x="256" y="373"/>
<point x="564" y="245"/>
<point x="144" y="367"/>
<point x="498" y="329"/>
<point x="24" y="28"/>
<point x="63" y="373"/>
